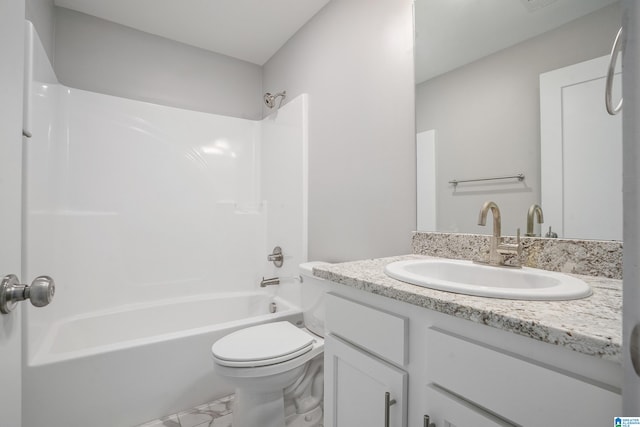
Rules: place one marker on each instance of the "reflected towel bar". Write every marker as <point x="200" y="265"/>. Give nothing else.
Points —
<point x="519" y="177"/>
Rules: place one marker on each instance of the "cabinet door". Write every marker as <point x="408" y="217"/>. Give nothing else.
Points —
<point x="355" y="387"/>
<point x="447" y="410"/>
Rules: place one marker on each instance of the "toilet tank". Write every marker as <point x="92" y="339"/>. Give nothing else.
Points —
<point x="314" y="290"/>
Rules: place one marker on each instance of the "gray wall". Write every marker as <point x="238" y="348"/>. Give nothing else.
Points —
<point x="357" y="68"/>
<point x="41" y="14"/>
<point x="100" y="56"/>
<point x="355" y="60"/>
<point x="487" y="119"/>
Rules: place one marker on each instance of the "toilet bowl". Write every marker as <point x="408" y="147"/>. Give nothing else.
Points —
<point x="276" y="368"/>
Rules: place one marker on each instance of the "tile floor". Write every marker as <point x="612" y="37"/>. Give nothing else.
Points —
<point x="212" y="414"/>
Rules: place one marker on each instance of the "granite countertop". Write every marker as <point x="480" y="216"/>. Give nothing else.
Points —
<point x="591" y="325"/>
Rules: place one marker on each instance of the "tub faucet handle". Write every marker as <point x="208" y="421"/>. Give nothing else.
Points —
<point x="276" y="257"/>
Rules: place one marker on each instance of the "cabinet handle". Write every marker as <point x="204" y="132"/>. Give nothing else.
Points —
<point x="427" y="422"/>
<point x="388" y="402"/>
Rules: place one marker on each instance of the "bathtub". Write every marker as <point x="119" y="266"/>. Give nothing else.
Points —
<point x="120" y="368"/>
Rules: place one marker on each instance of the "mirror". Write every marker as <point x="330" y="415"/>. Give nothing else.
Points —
<point x="478" y="110"/>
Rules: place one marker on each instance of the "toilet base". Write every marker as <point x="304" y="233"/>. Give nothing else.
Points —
<point x="258" y="409"/>
<point x="296" y="400"/>
<point x="313" y="418"/>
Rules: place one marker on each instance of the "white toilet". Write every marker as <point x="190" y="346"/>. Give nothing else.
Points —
<point x="277" y="368"/>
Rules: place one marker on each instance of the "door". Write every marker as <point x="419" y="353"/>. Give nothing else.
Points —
<point x="580" y="152"/>
<point x="426" y="180"/>
<point x="631" y="201"/>
<point x="355" y="387"/>
<point x="11" y="65"/>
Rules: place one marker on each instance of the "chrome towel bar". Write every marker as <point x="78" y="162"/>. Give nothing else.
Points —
<point x="455" y="182"/>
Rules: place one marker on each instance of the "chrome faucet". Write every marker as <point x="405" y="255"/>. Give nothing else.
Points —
<point x="533" y="210"/>
<point x="497" y="249"/>
<point x="268" y="282"/>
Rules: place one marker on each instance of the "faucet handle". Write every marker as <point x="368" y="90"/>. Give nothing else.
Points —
<point x="508" y="248"/>
<point x="276" y="257"/>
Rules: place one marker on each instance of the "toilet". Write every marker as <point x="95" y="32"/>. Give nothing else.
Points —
<point x="276" y="368"/>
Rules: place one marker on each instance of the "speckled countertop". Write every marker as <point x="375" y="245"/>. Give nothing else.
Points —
<point x="591" y="325"/>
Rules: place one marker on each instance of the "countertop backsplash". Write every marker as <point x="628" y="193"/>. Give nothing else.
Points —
<point x="597" y="258"/>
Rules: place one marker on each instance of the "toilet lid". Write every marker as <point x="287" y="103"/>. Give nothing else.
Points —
<point x="262" y="345"/>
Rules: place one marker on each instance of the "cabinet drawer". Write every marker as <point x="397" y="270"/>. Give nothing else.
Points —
<point x="518" y="389"/>
<point x="446" y="409"/>
<point x="379" y="332"/>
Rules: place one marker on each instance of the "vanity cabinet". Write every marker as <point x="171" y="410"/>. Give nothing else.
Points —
<point x="364" y="350"/>
<point x="460" y="373"/>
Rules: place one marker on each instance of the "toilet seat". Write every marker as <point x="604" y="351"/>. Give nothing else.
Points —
<point x="262" y="345"/>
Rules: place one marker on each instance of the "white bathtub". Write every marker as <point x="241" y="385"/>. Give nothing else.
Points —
<point x="122" y="367"/>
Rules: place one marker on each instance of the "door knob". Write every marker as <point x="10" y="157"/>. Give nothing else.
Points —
<point x="40" y="292"/>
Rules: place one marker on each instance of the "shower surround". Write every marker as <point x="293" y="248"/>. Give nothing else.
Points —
<point x="155" y="223"/>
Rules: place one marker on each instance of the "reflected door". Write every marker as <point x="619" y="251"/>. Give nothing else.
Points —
<point x="581" y="153"/>
<point x="426" y="180"/>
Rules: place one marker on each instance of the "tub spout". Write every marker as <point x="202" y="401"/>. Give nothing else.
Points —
<point x="268" y="282"/>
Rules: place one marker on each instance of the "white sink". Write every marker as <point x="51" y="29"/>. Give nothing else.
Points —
<point x="466" y="277"/>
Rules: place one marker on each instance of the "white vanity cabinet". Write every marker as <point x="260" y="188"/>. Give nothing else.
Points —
<point x="364" y="351"/>
<point x="460" y="373"/>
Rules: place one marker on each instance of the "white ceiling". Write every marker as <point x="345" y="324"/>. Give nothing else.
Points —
<point x="452" y="33"/>
<point x="251" y="30"/>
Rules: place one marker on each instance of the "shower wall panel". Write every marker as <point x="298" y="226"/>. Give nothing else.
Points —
<point x="129" y="202"/>
<point x="284" y="189"/>
<point x="145" y="201"/>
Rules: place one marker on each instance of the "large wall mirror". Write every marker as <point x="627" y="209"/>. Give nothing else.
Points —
<point x="478" y="115"/>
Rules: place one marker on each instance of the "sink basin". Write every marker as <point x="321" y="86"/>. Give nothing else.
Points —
<point x="466" y="277"/>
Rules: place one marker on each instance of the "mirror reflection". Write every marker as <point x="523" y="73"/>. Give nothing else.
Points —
<point x="515" y="90"/>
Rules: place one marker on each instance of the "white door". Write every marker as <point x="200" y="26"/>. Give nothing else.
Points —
<point x="426" y="180"/>
<point x="355" y="388"/>
<point x="580" y="153"/>
<point x="631" y="200"/>
<point x="11" y="65"/>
